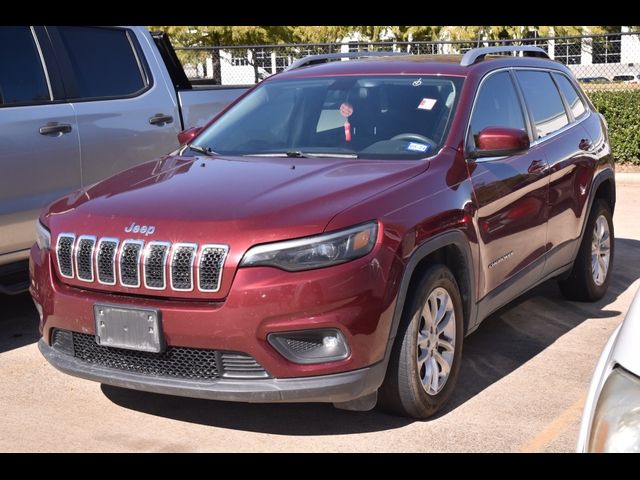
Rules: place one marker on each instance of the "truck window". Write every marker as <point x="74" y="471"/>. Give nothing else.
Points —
<point x="543" y="100"/>
<point x="497" y="105"/>
<point x="103" y="61"/>
<point x="570" y="95"/>
<point x="22" y="77"/>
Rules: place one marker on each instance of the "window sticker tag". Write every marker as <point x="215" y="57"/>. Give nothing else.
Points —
<point x="417" y="147"/>
<point x="427" y="103"/>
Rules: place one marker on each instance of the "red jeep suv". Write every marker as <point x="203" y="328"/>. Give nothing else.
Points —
<point x="334" y="234"/>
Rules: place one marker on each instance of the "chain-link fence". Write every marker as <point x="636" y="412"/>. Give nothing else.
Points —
<point x="600" y="62"/>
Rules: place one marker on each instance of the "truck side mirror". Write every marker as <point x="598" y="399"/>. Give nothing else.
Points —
<point x="187" y="135"/>
<point x="500" y="142"/>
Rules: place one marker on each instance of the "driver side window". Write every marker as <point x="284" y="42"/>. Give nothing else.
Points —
<point x="497" y="105"/>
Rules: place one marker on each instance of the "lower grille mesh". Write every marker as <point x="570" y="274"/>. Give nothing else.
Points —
<point x="300" y="345"/>
<point x="175" y="362"/>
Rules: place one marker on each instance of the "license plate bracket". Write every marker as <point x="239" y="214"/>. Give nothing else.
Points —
<point x="129" y="328"/>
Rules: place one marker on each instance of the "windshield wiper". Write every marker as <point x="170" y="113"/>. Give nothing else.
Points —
<point x="299" y="154"/>
<point x="206" y="150"/>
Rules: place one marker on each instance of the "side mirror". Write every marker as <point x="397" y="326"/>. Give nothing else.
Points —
<point x="500" y="142"/>
<point x="186" y="136"/>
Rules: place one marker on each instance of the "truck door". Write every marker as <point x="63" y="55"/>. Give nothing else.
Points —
<point x="39" y="144"/>
<point x="127" y="111"/>
<point x="511" y="197"/>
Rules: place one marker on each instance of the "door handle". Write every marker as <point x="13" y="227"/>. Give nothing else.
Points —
<point x="55" y="129"/>
<point x="160" y="119"/>
<point x="585" y="145"/>
<point x="537" y="167"/>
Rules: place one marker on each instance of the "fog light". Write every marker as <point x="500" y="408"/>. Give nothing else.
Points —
<point x="311" y="346"/>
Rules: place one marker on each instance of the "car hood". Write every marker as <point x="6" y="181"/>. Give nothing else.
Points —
<point x="275" y="195"/>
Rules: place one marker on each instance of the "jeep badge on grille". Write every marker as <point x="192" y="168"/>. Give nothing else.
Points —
<point x="135" y="228"/>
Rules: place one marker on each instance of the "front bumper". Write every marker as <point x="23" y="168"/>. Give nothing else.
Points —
<point x="336" y="388"/>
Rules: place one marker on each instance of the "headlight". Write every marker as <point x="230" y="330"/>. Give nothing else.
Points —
<point x="616" y="421"/>
<point x="314" y="252"/>
<point x="43" y="237"/>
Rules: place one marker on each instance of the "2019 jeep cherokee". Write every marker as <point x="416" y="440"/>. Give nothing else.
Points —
<point x="334" y="234"/>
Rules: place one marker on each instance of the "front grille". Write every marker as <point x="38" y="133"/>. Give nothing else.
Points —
<point x="182" y="266"/>
<point x="130" y="263"/>
<point x="106" y="260"/>
<point x="210" y="267"/>
<point x="111" y="262"/>
<point x="154" y="265"/>
<point x="175" y="362"/>
<point x="64" y="252"/>
<point x="84" y="257"/>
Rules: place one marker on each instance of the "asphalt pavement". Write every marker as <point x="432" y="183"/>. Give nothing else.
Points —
<point x="523" y="383"/>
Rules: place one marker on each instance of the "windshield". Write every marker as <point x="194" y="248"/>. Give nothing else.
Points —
<point x="377" y="117"/>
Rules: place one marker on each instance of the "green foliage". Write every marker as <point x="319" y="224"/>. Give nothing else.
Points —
<point x="254" y="35"/>
<point x="622" y="111"/>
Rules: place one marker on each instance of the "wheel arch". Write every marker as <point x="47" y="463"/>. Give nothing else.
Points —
<point x="452" y="249"/>
<point x="603" y="187"/>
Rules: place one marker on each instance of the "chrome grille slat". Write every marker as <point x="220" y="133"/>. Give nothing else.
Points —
<point x="182" y="260"/>
<point x="84" y="257"/>
<point x="133" y="263"/>
<point x="106" y="260"/>
<point x="129" y="262"/>
<point x="64" y="254"/>
<point x="155" y="265"/>
<point x="210" y="266"/>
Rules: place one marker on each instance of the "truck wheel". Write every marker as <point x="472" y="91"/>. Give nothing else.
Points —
<point x="591" y="274"/>
<point x="425" y="359"/>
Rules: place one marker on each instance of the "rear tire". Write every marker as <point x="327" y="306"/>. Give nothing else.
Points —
<point x="425" y="359"/>
<point x="591" y="273"/>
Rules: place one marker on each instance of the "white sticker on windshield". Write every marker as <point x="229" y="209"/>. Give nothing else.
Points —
<point x="417" y="147"/>
<point x="427" y="103"/>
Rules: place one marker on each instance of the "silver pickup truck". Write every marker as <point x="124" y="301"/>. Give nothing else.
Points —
<point x="78" y="104"/>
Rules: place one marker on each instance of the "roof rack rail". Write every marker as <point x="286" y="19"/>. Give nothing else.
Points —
<point x="476" y="54"/>
<point x="323" y="58"/>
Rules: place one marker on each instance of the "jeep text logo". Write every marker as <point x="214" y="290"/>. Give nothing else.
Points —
<point x="135" y="228"/>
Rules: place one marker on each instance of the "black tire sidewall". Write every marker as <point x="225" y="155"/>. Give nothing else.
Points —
<point x="427" y="405"/>
<point x="595" y="292"/>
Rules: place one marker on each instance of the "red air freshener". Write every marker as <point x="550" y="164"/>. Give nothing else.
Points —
<point x="346" y="110"/>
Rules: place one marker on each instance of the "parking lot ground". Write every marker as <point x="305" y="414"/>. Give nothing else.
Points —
<point x="522" y="387"/>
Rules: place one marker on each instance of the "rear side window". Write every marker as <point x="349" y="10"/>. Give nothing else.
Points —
<point x="497" y="105"/>
<point x="22" y="78"/>
<point x="103" y="61"/>
<point x="543" y="100"/>
<point x="570" y="95"/>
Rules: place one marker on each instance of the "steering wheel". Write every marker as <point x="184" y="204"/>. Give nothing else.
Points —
<point x="413" y="137"/>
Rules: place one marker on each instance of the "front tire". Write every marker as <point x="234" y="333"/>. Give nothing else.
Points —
<point x="591" y="274"/>
<point x="425" y="359"/>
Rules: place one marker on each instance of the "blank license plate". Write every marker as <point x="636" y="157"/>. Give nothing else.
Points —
<point x="130" y="328"/>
